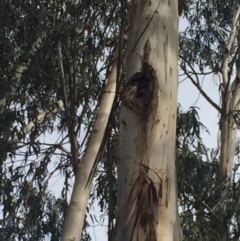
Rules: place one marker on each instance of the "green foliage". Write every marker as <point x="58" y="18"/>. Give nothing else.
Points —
<point x="30" y="84"/>
<point x="203" y="44"/>
<point x="204" y="202"/>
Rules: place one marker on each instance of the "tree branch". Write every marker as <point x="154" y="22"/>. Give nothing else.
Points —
<point x="71" y="119"/>
<point x="197" y="84"/>
<point x="39" y="119"/>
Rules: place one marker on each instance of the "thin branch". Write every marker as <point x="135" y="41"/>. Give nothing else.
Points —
<point x="70" y="119"/>
<point x="62" y="77"/>
<point x="196" y="83"/>
<point x="205" y="95"/>
<point x="233" y="31"/>
<point x="226" y="80"/>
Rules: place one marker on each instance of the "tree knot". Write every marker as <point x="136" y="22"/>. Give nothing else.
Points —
<point x="138" y="92"/>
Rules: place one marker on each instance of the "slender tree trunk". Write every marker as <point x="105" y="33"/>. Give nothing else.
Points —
<point x="147" y="189"/>
<point x="230" y="99"/>
<point x="75" y="217"/>
<point x="229" y="127"/>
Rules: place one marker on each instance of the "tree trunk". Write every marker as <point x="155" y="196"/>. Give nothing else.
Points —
<point x="75" y="217"/>
<point x="147" y="188"/>
<point x="230" y="102"/>
<point x="229" y="119"/>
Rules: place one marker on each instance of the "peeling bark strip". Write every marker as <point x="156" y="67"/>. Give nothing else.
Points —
<point x="145" y="204"/>
<point x="138" y="91"/>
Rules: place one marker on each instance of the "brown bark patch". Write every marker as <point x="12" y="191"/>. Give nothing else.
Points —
<point x="138" y="92"/>
<point x="146" y="219"/>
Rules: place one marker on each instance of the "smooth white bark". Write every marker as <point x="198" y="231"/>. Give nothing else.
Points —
<point x="147" y="143"/>
<point x="75" y="217"/>
<point x="230" y="103"/>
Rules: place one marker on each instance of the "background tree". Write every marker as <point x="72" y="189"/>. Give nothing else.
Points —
<point x="210" y="47"/>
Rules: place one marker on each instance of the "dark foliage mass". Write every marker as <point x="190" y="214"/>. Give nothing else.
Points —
<point x="204" y="202"/>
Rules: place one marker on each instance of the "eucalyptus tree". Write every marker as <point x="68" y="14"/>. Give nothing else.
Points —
<point x="210" y="47"/>
<point x="147" y="192"/>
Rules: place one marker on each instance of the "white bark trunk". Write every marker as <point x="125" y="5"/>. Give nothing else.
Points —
<point x="230" y="103"/>
<point x="233" y="126"/>
<point x="147" y="142"/>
